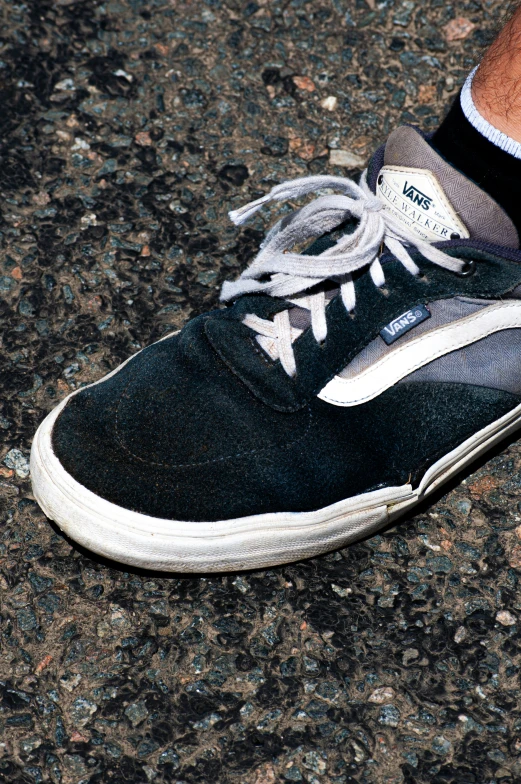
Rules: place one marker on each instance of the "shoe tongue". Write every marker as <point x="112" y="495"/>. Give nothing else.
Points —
<point x="434" y="199"/>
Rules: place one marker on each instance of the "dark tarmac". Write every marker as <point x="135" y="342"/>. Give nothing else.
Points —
<point x="129" y="129"/>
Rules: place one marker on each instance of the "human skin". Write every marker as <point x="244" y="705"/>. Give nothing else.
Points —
<point x="496" y="87"/>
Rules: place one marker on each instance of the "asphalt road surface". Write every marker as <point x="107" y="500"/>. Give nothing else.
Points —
<point x="129" y="129"/>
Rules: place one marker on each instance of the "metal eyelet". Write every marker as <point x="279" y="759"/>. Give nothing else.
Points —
<point x="469" y="269"/>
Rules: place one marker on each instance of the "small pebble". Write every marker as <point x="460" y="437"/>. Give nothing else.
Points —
<point x="460" y="634"/>
<point x="330" y="103"/>
<point x="381" y="695"/>
<point x="389" y="715"/>
<point x="304" y="83"/>
<point x="16" y="460"/>
<point x="458" y="29"/>
<point x="345" y="158"/>
<point x="506" y="618"/>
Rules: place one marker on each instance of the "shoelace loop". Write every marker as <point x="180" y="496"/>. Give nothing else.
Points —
<point x="279" y="272"/>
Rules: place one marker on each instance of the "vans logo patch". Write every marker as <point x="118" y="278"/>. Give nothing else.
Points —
<point x="407" y="321"/>
<point x="416" y="196"/>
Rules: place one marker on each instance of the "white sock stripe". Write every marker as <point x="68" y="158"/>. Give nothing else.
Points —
<point x="487" y="130"/>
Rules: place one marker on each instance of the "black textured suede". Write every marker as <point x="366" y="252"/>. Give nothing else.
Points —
<point x="204" y="426"/>
<point x="180" y="405"/>
<point x="175" y="435"/>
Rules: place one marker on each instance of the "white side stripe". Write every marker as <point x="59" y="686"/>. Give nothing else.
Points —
<point x="410" y="356"/>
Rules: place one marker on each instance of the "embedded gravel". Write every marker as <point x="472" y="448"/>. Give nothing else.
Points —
<point x="129" y="129"/>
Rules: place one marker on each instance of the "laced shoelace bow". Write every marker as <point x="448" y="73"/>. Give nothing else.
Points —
<point x="279" y="272"/>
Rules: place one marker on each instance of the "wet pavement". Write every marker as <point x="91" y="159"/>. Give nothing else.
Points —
<point x="129" y="129"/>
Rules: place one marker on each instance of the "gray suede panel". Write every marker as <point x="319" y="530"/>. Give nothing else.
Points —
<point x="492" y="362"/>
<point x="442" y="312"/>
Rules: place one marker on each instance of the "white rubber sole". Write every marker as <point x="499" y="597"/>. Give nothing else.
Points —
<point x="231" y="545"/>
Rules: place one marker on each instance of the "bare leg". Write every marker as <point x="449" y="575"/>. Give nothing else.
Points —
<point x="496" y="87"/>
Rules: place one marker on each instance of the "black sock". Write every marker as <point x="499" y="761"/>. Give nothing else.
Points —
<point x="490" y="167"/>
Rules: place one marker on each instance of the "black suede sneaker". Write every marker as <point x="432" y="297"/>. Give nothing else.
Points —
<point x="338" y="389"/>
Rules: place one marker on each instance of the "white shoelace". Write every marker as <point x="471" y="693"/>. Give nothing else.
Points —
<point x="280" y="273"/>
